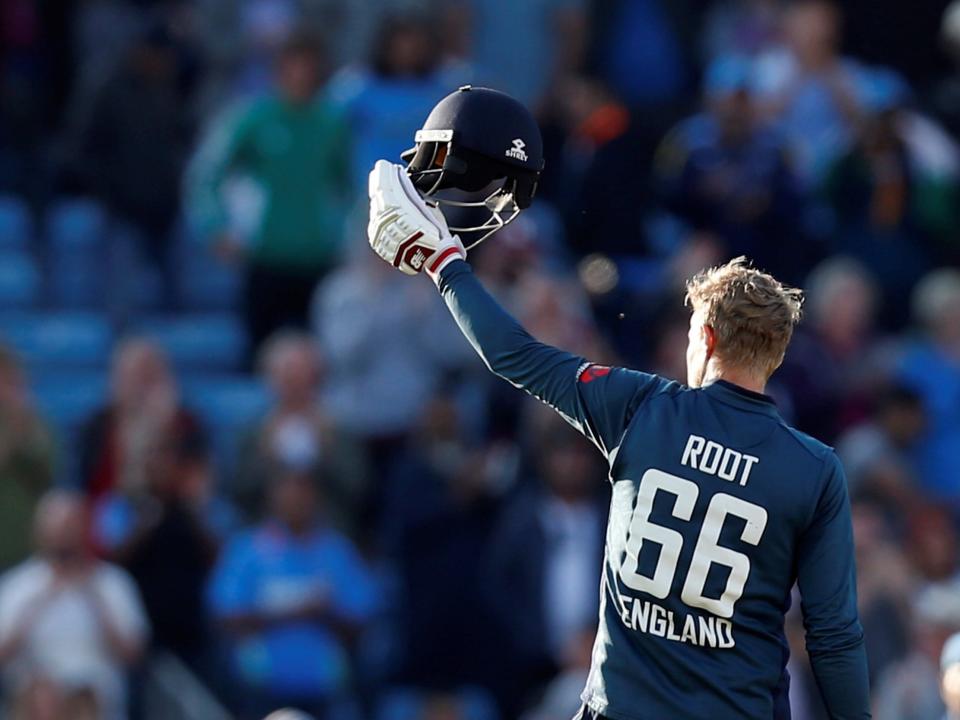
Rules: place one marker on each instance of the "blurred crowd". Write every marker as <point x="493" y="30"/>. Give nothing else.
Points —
<point x="388" y="532"/>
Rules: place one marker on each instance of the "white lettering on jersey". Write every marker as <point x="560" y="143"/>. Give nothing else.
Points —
<point x="713" y="458"/>
<point x="653" y="619"/>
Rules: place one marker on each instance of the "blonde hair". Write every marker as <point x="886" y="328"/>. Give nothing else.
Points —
<point x="752" y="313"/>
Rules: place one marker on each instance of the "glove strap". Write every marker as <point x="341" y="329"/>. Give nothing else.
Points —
<point x="443" y="258"/>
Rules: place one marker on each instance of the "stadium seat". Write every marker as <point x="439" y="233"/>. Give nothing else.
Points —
<point x="16" y="225"/>
<point x="76" y="223"/>
<point x="76" y="236"/>
<point x="215" y="341"/>
<point x="19" y="280"/>
<point x="68" y="398"/>
<point x="58" y="340"/>
<point x="230" y="401"/>
<point x="206" y="284"/>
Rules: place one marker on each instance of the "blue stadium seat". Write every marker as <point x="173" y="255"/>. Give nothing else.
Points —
<point x="76" y="235"/>
<point x="76" y="223"/>
<point x="68" y="398"/>
<point x="229" y="402"/>
<point x="214" y="341"/>
<point x="58" y="340"/>
<point x="19" y="280"/>
<point x="16" y="225"/>
<point x="206" y="284"/>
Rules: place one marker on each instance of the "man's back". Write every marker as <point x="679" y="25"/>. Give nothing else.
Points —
<point x="714" y="510"/>
<point x="718" y="507"/>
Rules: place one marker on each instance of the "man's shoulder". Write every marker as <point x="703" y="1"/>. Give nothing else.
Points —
<point x="816" y="448"/>
<point x="29" y="573"/>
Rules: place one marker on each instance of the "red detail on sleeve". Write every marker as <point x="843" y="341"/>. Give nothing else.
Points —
<point x="443" y="256"/>
<point x="593" y="372"/>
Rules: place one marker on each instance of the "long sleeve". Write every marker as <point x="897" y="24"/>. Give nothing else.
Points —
<point x="827" y="579"/>
<point x="217" y="155"/>
<point x="598" y="401"/>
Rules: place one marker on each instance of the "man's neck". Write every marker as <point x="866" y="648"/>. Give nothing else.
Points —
<point x="748" y="381"/>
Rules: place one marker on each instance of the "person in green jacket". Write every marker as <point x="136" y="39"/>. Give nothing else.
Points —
<point x="26" y="461"/>
<point x="294" y="145"/>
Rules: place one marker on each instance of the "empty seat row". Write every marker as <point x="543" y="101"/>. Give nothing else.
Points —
<point x="91" y="262"/>
<point x="80" y="340"/>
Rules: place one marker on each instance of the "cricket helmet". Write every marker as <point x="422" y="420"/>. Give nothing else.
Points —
<point x="477" y="138"/>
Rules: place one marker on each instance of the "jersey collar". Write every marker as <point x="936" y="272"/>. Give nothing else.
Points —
<point x="741" y="397"/>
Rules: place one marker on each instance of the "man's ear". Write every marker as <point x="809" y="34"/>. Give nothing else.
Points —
<point x="709" y="340"/>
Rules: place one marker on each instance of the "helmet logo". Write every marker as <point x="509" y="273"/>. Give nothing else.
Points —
<point x="517" y="152"/>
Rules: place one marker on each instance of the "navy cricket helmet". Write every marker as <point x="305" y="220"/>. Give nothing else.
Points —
<point x="473" y="139"/>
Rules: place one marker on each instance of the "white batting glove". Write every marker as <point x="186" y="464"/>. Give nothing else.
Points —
<point x="403" y="229"/>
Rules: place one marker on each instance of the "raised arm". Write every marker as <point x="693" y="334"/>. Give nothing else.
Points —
<point x="597" y="400"/>
<point x="412" y="236"/>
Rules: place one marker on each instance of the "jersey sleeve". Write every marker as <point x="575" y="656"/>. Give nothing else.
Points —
<point x="598" y="401"/>
<point x="827" y="580"/>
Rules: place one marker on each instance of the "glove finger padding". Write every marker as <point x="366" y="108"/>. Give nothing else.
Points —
<point x="403" y="229"/>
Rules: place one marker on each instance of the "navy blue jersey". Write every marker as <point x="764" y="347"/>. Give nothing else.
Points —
<point x="718" y="508"/>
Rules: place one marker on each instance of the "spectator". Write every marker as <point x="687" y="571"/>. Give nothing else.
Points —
<point x="827" y="371"/>
<point x="386" y="100"/>
<point x="137" y="120"/>
<point x="750" y="27"/>
<point x="443" y="487"/>
<point x="298" y="433"/>
<point x="641" y="56"/>
<point x="26" y="460"/>
<point x="166" y="532"/>
<point x="878" y="454"/>
<point x="546" y="546"/>
<point x="893" y="192"/>
<point x="523" y="47"/>
<point x="932" y="543"/>
<point x="562" y="696"/>
<point x="809" y="89"/>
<point x="295" y="147"/>
<point x="946" y="99"/>
<point x="726" y="174"/>
<point x="292" y="595"/>
<point x="932" y="368"/>
<point x="885" y="584"/>
<point x="596" y="160"/>
<point x="910" y="689"/>
<point x="70" y="626"/>
<point x="409" y="337"/>
<point x="144" y="397"/>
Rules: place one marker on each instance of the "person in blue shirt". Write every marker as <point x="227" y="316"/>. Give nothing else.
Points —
<point x="292" y="594"/>
<point x="718" y="507"/>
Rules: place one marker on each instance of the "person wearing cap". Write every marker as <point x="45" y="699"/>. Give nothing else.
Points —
<point x="726" y="175"/>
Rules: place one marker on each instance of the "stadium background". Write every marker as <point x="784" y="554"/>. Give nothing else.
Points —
<point x="197" y="343"/>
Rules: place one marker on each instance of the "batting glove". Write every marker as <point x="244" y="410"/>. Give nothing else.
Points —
<point x="404" y="230"/>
